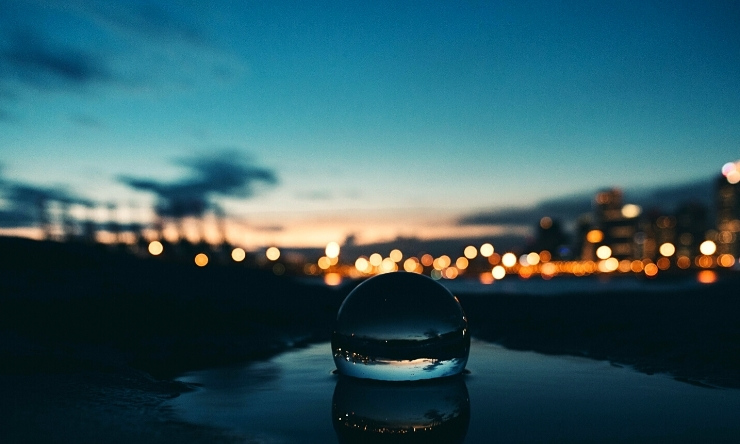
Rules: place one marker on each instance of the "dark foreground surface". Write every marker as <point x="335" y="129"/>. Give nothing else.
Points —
<point x="90" y="339"/>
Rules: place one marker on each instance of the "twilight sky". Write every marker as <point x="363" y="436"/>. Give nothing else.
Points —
<point x="309" y="121"/>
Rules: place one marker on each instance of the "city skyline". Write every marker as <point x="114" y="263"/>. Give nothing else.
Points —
<point x="371" y="121"/>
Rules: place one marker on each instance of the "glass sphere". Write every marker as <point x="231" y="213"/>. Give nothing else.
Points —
<point x="400" y="327"/>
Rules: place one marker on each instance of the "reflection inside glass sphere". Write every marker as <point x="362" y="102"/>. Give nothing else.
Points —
<point x="400" y="327"/>
<point x="367" y="411"/>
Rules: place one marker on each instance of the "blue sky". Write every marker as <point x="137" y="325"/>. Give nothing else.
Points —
<point x="374" y="118"/>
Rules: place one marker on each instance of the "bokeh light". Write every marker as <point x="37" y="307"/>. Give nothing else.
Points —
<point x="486" y="250"/>
<point x="362" y="264"/>
<point x="651" y="270"/>
<point x="595" y="236"/>
<point x="272" y="253"/>
<point x="667" y="249"/>
<point x="155" y="248"/>
<point x="630" y="211"/>
<point x="726" y="260"/>
<point x="332" y="250"/>
<point x="324" y="263"/>
<point x="201" y="259"/>
<point x="238" y="254"/>
<point x="427" y="260"/>
<point x="332" y="279"/>
<point x="498" y="272"/>
<point x="706" y="277"/>
<point x="376" y="259"/>
<point x="708" y="247"/>
<point x="411" y="265"/>
<point x="462" y="263"/>
<point x="508" y="260"/>
<point x="603" y="252"/>
<point x="396" y="255"/>
<point x="533" y="258"/>
<point x="470" y="252"/>
<point x="546" y="223"/>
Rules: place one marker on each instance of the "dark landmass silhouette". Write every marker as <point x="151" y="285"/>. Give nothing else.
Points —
<point x="91" y="337"/>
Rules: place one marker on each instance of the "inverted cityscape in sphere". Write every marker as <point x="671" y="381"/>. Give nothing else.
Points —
<point x="400" y="327"/>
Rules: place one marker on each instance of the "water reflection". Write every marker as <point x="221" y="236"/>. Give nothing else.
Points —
<point x="368" y="411"/>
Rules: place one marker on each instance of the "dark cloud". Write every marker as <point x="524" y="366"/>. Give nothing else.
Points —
<point x="31" y="59"/>
<point x="22" y="203"/>
<point x="670" y="197"/>
<point x="226" y="174"/>
<point x="569" y="208"/>
<point x="564" y="208"/>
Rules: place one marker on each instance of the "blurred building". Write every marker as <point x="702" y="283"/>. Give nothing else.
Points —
<point x="728" y="215"/>
<point x="617" y="222"/>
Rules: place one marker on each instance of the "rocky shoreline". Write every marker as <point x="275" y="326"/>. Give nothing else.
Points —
<point x="90" y="342"/>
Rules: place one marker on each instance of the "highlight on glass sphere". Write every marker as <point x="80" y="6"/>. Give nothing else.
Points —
<point x="400" y="327"/>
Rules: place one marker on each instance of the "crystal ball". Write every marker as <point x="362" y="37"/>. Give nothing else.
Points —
<point x="400" y="327"/>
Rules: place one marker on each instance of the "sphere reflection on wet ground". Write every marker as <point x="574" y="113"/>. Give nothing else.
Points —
<point x="400" y="327"/>
<point x="426" y="411"/>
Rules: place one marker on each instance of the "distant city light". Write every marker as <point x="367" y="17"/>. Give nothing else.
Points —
<point x="603" y="252"/>
<point x="201" y="259"/>
<point x="332" y="250"/>
<point x="442" y="262"/>
<point x="664" y="263"/>
<point x="471" y="252"/>
<point x="651" y="270"/>
<point x="706" y="277"/>
<point x="594" y="236"/>
<point x="427" y="260"/>
<point x="630" y="211"/>
<point x="411" y="265"/>
<point x="155" y="248"/>
<point x="396" y="255"/>
<point x="362" y="264"/>
<point x="499" y="272"/>
<point x="238" y="254"/>
<point x="731" y="170"/>
<point x="667" y="249"/>
<point x="462" y="263"/>
<point x="704" y="261"/>
<point x="608" y="265"/>
<point x="324" y="263"/>
<point x="332" y="279"/>
<point x="486" y="250"/>
<point x="726" y="260"/>
<point x="486" y="278"/>
<point x="508" y="260"/>
<point x="272" y="253"/>
<point x="376" y="259"/>
<point x="533" y="258"/>
<point x="387" y="265"/>
<point x="546" y="223"/>
<point x="708" y="247"/>
<point x="549" y="269"/>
